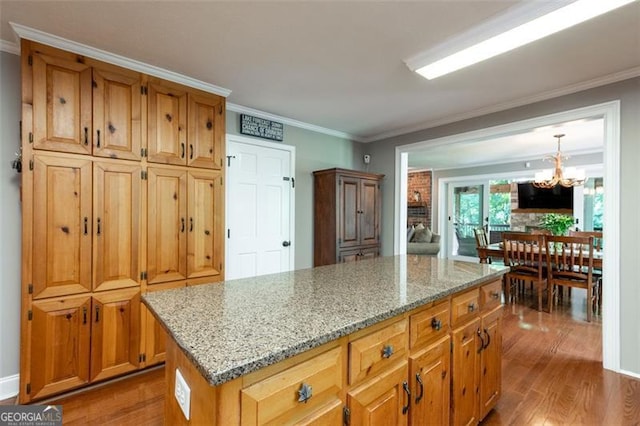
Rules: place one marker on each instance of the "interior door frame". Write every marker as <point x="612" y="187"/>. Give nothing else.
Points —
<point x="610" y="112"/>
<point x="292" y="200"/>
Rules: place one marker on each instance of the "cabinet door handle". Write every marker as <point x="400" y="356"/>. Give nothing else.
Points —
<point x="387" y="351"/>
<point x="486" y="332"/>
<point x="421" y="384"/>
<point x="86" y="225"/>
<point x="405" y="386"/>
<point x="191" y="151"/>
<point x="482" y="343"/>
<point x="472" y="307"/>
<point x="98" y="140"/>
<point x="86" y="136"/>
<point x="182" y="227"/>
<point x="436" y="324"/>
<point x="190" y="224"/>
<point x="98" y="231"/>
<point x="182" y="147"/>
<point x="97" y="313"/>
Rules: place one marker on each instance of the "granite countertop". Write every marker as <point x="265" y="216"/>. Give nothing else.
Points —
<point x="233" y="328"/>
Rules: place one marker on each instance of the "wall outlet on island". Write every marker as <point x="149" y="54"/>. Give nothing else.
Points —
<point x="183" y="394"/>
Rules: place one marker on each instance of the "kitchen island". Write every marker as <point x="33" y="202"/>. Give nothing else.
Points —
<point x="368" y="342"/>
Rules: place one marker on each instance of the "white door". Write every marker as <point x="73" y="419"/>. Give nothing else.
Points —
<point x="260" y="188"/>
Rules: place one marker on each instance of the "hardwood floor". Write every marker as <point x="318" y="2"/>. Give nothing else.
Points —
<point x="552" y="374"/>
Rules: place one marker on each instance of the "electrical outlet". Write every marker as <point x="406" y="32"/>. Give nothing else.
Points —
<point x="182" y="392"/>
<point x="367" y="159"/>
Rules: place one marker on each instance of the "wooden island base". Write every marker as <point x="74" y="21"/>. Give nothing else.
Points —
<point x="437" y="364"/>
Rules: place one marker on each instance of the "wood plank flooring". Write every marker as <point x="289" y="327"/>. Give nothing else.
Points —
<point x="552" y="375"/>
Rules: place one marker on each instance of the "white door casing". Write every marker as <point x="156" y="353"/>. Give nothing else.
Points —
<point x="259" y="203"/>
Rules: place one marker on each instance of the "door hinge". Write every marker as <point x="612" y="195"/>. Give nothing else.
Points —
<point x="220" y="110"/>
<point x="143" y="152"/>
<point x="220" y="267"/>
<point x="144" y="90"/>
<point x="30" y="315"/>
<point x="28" y="388"/>
<point x="142" y="358"/>
<point x="220" y="162"/>
<point x="30" y="288"/>
<point x="30" y="60"/>
<point x="31" y="164"/>
<point x="221" y="181"/>
<point x="143" y="175"/>
<point x="346" y="416"/>
<point x="30" y="137"/>
<point x="143" y="275"/>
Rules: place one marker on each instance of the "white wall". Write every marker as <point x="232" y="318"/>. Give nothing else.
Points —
<point x="10" y="225"/>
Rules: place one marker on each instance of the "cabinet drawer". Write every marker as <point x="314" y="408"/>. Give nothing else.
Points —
<point x="490" y="295"/>
<point x="277" y="398"/>
<point x="465" y="306"/>
<point x="428" y="325"/>
<point x="374" y="352"/>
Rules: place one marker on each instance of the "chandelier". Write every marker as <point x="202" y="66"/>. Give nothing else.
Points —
<point x="567" y="177"/>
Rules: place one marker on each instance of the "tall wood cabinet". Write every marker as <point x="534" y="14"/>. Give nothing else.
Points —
<point x="122" y="193"/>
<point x="347" y="207"/>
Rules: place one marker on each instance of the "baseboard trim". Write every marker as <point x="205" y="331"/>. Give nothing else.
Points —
<point x="9" y="386"/>
<point x="630" y="374"/>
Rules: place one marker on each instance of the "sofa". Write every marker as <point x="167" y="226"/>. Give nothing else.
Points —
<point x="421" y="240"/>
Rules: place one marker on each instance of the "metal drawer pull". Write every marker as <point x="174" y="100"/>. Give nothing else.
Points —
<point x="405" y="386"/>
<point x="419" y="380"/>
<point x="482" y="345"/>
<point x="472" y="307"/>
<point x="305" y="393"/>
<point x="387" y="351"/>
<point x="495" y="294"/>
<point x="436" y="324"/>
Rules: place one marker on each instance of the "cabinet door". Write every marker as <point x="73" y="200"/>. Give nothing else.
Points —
<point x="117" y="113"/>
<point x="60" y="344"/>
<point x="205" y="135"/>
<point x="205" y="223"/>
<point x="61" y="226"/>
<point x="382" y="399"/>
<point x="61" y="105"/>
<point x="465" y="374"/>
<point x="115" y="333"/>
<point x="369" y="253"/>
<point x="429" y="375"/>
<point x="167" y="225"/>
<point x="348" y="208"/>
<point x="155" y="337"/>
<point x="116" y="216"/>
<point x="345" y="256"/>
<point x="369" y="211"/>
<point x="491" y="361"/>
<point x="167" y="123"/>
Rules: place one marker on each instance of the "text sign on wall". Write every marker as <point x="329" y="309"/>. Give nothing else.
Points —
<point x="255" y="126"/>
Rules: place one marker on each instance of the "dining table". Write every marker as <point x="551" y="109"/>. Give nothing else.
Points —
<point x="496" y="250"/>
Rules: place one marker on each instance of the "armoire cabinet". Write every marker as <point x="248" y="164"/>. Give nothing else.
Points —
<point x="122" y="193"/>
<point x="346" y="216"/>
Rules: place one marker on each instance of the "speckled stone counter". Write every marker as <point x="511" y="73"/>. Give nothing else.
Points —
<point x="236" y="327"/>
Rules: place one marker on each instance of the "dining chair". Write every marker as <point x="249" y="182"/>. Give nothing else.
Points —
<point x="570" y="263"/>
<point x="597" y="272"/>
<point x="523" y="254"/>
<point x="481" y="244"/>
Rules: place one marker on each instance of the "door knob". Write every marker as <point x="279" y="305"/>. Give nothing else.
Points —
<point x="286" y="243"/>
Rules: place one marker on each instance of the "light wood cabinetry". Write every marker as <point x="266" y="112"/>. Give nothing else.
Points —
<point x="347" y="207"/>
<point x="122" y="190"/>
<point x="430" y="383"/>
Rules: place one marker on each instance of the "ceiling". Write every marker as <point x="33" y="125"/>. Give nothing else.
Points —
<point x="339" y="65"/>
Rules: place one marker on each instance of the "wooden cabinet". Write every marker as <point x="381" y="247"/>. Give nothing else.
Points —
<point x="185" y="127"/>
<point x="185" y="225"/>
<point x="430" y="384"/>
<point x="465" y="374"/>
<point x="101" y="227"/>
<point x="491" y="361"/>
<point x="346" y="215"/>
<point x="382" y="400"/>
<point x="61" y="226"/>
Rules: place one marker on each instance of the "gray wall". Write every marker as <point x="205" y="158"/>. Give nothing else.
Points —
<point x="628" y="92"/>
<point x="10" y="220"/>
<point x="314" y="151"/>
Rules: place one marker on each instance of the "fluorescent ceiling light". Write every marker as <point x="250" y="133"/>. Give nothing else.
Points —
<point x="557" y="20"/>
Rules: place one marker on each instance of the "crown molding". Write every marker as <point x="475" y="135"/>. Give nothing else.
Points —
<point x="290" y="121"/>
<point x="112" y="58"/>
<point x="9" y="47"/>
<point x="550" y="94"/>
